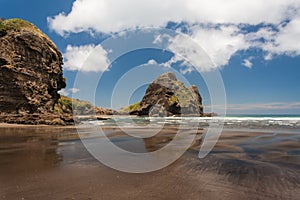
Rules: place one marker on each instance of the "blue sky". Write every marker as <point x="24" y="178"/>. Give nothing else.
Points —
<point x="254" y="46"/>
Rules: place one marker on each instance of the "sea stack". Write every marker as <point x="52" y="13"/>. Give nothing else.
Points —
<point x="30" y="70"/>
<point x="167" y="96"/>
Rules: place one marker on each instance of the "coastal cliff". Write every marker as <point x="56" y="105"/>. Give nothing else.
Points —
<point x="31" y="69"/>
<point x="31" y="75"/>
<point x="167" y="96"/>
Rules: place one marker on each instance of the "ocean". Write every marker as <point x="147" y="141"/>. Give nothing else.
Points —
<point x="290" y="122"/>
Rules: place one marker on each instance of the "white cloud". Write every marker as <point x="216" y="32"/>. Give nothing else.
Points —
<point x="158" y="39"/>
<point x="117" y="15"/>
<point x="74" y="90"/>
<point x="152" y="62"/>
<point x="283" y="41"/>
<point x="66" y="92"/>
<point x="247" y="63"/>
<point x="268" y="56"/>
<point x="220" y="43"/>
<point x="88" y="58"/>
<point x="217" y="26"/>
<point x="189" y="52"/>
<point x="206" y="48"/>
<point x="286" y="40"/>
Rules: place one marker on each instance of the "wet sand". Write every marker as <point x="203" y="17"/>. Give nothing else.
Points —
<point x="52" y="163"/>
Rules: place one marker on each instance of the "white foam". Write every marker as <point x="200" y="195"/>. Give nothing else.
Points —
<point x="232" y="121"/>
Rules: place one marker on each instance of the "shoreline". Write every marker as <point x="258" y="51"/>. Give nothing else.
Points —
<point x="9" y="125"/>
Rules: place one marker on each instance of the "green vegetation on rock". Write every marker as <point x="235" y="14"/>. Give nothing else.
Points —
<point x="20" y="25"/>
<point x="173" y="99"/>
<point x="183" y="96"/>
<point x="63" y="105"/>
<point x="131" y="108"/>
<point x="66" y="105"/>
<point x="17" y="25"/>
<point x="79" y="107"/>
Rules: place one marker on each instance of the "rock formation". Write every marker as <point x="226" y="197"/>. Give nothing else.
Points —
<point x="166" y="96"/>
<point x="30" y="72"/>
<point x="31" y="69"/>
<point x="31" y="76"/>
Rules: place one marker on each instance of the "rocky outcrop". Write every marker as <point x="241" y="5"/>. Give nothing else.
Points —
<point x="80" y="107"/>
<point x="30" y="71"/>
<point x="166" y="96"/>
<point x="31" y="76"/>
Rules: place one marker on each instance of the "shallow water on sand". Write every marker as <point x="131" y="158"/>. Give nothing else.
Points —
<point x="52" y="163"/>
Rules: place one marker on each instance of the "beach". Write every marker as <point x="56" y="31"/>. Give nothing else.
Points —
<point x="46" y="162"/>
<point x="147" y="100"/>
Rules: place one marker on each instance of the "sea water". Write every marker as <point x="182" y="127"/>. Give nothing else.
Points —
<point x="229" y="121"/>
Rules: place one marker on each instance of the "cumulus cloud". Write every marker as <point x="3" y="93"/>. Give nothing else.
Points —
<point x="66" y="92"/>
<point x="88" y="58"/>
<point x="189" y="53"/>
<point x="247" y="63"/>
<point x="221" y="28"/>
<point x="117" y="15"/>
<point x="285" y="41"/>
<point x="220" y="43"/>
<point x="205" y="48"/>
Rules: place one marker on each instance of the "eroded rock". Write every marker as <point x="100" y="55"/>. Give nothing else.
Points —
<point x="30" y="69"/>
<point x="30" y="74"/>
<point x="167" y="96"/>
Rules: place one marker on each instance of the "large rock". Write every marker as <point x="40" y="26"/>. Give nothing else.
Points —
<point x="30" y="69"/>
<point x="30" y="75"/>
<point x="167" y="96"/>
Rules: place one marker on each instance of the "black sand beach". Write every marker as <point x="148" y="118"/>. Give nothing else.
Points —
<point x="52" y="163"/>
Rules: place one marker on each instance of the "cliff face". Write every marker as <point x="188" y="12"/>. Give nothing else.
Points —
<point x="166" y="96"/>
<point x="30" y="69"/>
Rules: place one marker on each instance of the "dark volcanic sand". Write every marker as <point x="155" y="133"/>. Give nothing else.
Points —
<point x="51" y="163"/>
